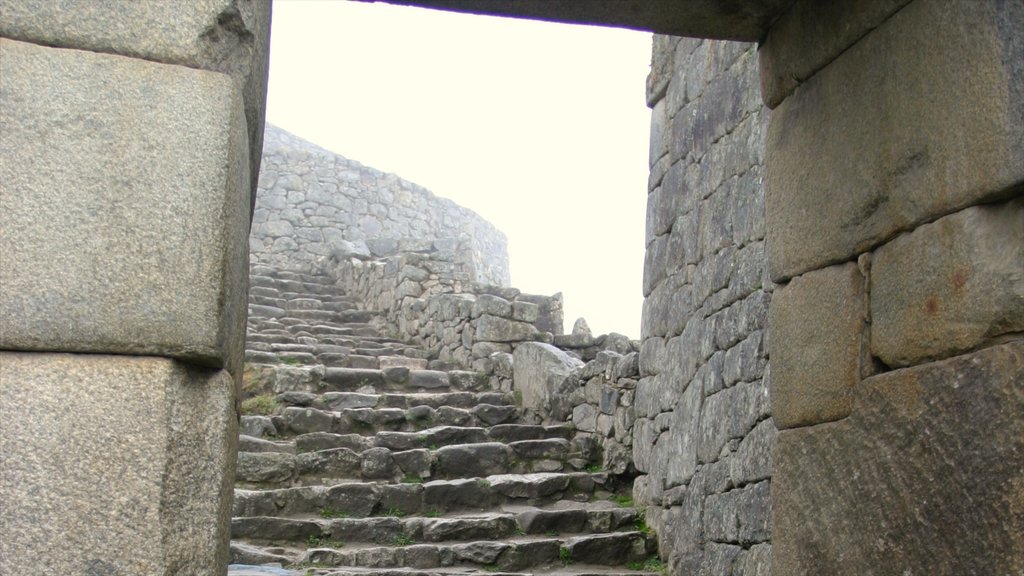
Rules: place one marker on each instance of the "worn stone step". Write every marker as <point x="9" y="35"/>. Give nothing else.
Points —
<point x="358" y="499"/>
<point x="391" y="461"/>
<point x="247" y="569"/>
<point x="518" y="432"/>
<point x="275" y="301"/>
<point x="560" y="519"/>
<point x="520" y="553"/>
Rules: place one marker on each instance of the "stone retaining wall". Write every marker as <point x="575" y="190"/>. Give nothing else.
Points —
<point x="311" y="202"/>
<point x="704" y="436"/>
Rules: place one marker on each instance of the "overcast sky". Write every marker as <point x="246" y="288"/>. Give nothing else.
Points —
<point x="540" y="128"/>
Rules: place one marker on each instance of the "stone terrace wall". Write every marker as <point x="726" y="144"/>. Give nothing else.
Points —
<point x="703" y="434"/>
<point x="311" y="201"/>
<point x="429" y="297"/>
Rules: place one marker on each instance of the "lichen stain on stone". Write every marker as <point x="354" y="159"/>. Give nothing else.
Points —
<point x="931" y="306"/>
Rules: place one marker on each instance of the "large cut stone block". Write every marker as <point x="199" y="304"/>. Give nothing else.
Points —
<point x="921" y="117"/>
<point x="807" y="37"/>
<point x="815" y="339"/>
<point x="114" y="465"/>
<point x="925" y="477"/>
<point x="949" y="286"/>
<point x="123" y="206"/>
<point x="229" y="36"/>
<point x="543" y="375"/>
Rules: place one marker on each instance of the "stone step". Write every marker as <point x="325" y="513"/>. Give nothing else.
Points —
<point x="395" y="441"/>
<point x="518" y="553"/>
<point x="412" y="458"/>
<point x="312" y="285"/>
<point x="560" y="519"/>
<point x="359" y="499"/>
<point x="243" y="551"/>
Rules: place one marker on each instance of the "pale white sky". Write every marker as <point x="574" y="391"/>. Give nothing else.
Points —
<point x="540" y="128"/>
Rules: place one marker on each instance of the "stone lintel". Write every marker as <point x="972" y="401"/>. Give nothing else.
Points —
<point x="747" y="20"/>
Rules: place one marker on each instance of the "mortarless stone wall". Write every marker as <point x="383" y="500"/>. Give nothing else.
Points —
<point x="703" y="435"/>
<point x="312" y="202"/>
<point x="896" y="234"/>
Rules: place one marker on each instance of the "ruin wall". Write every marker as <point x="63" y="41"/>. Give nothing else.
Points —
<point x="703" y="435"/>
<point x="311" y="203"/>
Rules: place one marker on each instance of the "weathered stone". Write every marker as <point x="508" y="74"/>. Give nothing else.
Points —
<point x="72" y="502"/>
<point x="753" y="459"/>
<point x="950" y="286"/>
<point x="584" y="417"/>
<point x="456" y="494"/>
<point x="525" y="311"/>
<point x="685" y="437"/>
<point x="467" y="460"/>
<point x="830" y="198"/>
<point x="265" y="467"/>
<point x="815" y="342"/>
<point x="160" y="200"/>
<point x="332" y="462"/>
<point x="919" y="472"/>
<point x="357" y="500"/>
<point x="220" y="35"/>
<point x="728" y="414"/>
<point x="494" y="329"/>
<point x="549" y="311"/>
<point x="377" y="463"/>
<point x="493" y="305"/>
<point x="806" y="39"/>
<point x="542" y="373"/>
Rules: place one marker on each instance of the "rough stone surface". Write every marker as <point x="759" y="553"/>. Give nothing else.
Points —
<point x="123" y="206"/>
<point x="114" y="465"/>
<point x="925" y="473"/>
<point x="817" y="322"/>
<point x="806" y="38"/>
<point x="228" y="36"/>
<point x="542" y="374"/>
<point x="702" y="376"/>
<point x="949" y="286"/>
<point x="908" y="153"/>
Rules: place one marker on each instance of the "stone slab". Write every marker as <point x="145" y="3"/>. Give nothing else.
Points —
<point x="921" y="117"/>
<point x="806" y="38"/>
<point x="815" y="340"/>
<point x="114" y="465"/>
<point x="123" y="206"/>
<point x="927" y="474"/>
<point x="949" y="286"/>
<point x="229" y="36"/>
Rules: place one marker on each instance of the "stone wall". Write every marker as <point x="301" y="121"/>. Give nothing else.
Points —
<point x="896" y="234"/>
<point x="703" y="435"/>
<point x="429" y="297"/>
<point x="131" y="136"/>
<point x="311" y="203"/>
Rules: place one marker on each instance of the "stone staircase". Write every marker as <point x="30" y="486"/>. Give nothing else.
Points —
<point x="358" y="455"/>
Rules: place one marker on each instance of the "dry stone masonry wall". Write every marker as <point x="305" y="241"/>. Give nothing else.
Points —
<point x="896" y="327"/>
<point x="703" y="435"/>
<point x="313" y="205"/>
<point x="130" y="142"/>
